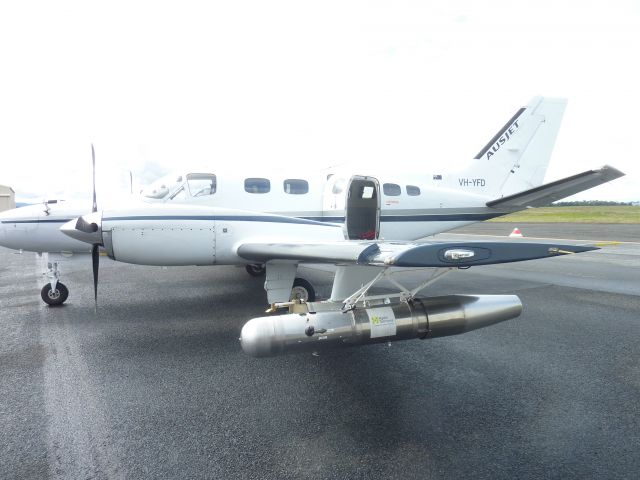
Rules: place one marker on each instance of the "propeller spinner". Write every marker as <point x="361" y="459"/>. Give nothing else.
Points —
<point x="88" y="229"/>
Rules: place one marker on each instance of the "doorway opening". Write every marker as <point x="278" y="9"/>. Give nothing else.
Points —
<point x="362" y="212"/>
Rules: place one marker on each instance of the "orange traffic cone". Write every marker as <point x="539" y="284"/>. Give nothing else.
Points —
<point x="516" y="233"/>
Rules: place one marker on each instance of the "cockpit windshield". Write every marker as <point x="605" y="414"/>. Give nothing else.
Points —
<point x="161" y="187"/>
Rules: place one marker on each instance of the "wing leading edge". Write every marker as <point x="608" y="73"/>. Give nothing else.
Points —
<point x="399" y="254"/>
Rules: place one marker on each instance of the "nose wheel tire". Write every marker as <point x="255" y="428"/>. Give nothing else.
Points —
<point x="256" y="270"/>
<point x="303" y="290"/>
<point x="54" y="297"/>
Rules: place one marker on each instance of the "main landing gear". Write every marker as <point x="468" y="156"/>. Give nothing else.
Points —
<point x="302" y="291"/>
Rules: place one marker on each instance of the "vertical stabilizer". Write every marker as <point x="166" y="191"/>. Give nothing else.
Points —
<point x="517" y="157"/>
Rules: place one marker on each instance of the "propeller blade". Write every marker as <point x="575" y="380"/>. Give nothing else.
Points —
<point x="94" y="208"/>
<point x="95" y="258"/>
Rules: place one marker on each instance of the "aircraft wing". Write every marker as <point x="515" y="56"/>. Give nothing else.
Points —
<point x="550" y="192"/>
<point x="405" y="254"/>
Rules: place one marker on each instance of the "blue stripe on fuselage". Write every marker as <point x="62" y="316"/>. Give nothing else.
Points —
<point x="431" y="217"/>
<point x="452" y="217"/>
<point x="37" y="221"/>
<point x="225" y="218"/>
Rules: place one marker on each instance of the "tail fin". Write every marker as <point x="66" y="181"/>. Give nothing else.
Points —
<point x="517" y="157"/>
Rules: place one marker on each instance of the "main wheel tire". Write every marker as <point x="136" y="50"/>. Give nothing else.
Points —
<point x="256" y="270"/>
<point x="54" y="297"/>
<point x="303" y="290"/>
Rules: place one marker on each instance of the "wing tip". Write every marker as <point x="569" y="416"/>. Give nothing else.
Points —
<point x="611" y="172"/>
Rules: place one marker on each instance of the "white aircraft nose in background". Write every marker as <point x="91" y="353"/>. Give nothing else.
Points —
<point x="36" y="228"/>
<point x="18" y="226"/>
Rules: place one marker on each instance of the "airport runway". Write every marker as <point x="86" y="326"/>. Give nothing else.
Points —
<point x="581" y="231"/>
<point x="156" y="386"/>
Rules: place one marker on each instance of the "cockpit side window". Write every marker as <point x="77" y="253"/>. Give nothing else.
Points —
<point x="201" y="184"/>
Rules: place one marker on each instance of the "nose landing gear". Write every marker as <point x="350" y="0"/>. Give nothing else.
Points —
<point x="54" y="292"/>
<point x="54" y="296"/>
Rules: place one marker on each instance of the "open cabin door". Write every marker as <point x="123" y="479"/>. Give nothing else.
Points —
<point x="362" y="210"/>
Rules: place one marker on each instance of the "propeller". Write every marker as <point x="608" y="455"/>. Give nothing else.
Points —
<point x="93" y="161"/>
<point x="88" y="229"/>
<point x="93" y="227"/>
<point x="95" y="260"/>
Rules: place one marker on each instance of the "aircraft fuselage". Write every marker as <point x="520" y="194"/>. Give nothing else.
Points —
<point x="400" y="207"/>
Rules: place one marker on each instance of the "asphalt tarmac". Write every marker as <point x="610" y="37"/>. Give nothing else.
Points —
<point x="155" y="385"/>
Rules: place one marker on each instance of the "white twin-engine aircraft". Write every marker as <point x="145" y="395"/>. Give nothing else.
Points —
<point x="363" y="222"/>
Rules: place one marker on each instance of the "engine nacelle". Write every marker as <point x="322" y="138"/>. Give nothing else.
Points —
<point x="161" y="242"/>
<point x="420" y="318"/>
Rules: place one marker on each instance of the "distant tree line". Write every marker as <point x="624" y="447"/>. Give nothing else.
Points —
<point x="590" y="203"/>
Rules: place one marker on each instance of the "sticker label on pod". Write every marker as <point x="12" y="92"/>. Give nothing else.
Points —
<point x="382" y="322"/>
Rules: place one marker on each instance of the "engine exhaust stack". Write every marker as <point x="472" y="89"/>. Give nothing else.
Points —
<point x="420" y="318"/>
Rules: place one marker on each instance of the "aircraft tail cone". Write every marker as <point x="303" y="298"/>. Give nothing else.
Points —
<point x="516" y="233"/>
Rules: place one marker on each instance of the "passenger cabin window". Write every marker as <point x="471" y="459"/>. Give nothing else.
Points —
<point x="391" y="189"/>
<point x="257" y="185"/>
<point x="201" y="184"/>
<point x="296" y="186"/>
<point x="413" y="191"/>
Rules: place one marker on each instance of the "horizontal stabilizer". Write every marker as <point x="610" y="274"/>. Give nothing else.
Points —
<point x="397" y="254"/>
<point x="550" y="192"/>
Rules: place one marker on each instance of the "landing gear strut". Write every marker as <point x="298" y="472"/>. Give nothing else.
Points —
<point x="55" y="292"/>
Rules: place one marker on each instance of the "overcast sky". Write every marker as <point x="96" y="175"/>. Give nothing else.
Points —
<point x="158" y="86"/>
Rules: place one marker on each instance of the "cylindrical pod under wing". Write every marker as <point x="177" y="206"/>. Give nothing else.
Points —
<point x="418" y="318"/>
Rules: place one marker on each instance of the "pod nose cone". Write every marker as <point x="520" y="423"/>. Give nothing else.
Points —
<point x="87" y="228"/>
<point x="255" y="337"/>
